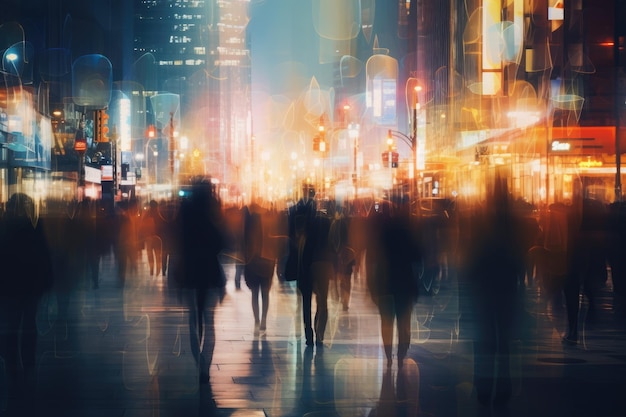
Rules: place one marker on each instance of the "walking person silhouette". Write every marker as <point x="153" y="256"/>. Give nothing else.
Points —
<point x="260" y="260"/>
<point x="199" y="243"/>
<point x="391" y="263"/>
<point x="27" y="275"/>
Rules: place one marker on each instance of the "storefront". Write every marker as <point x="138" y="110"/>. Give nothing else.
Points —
<point x="581" y="160"/>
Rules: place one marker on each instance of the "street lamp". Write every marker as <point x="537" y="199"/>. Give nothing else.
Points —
<point x="155" y="154"/>
<point x="353" y="131"/>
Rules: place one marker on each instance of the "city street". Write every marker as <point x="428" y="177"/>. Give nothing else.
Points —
<point x="125" y="352"/>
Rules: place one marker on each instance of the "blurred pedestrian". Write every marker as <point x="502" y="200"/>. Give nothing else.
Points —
<point x="150" y="233"/>
<point x="311" y="254"/>
<point x="27" y="274"/>
<point x="235" y="223"/>
<point x="587" y="272"/>
<point x="167" y="215"/>
<point x="127" y="244"/>
<point x="260" y="260"/>
<point x="494" y="259"/>
<point x="392" y="260"/>
<point x="344" y="257"/>
<point x="198" y="244"/>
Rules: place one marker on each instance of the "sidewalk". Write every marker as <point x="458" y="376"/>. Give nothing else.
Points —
<point x="125" y="352"/>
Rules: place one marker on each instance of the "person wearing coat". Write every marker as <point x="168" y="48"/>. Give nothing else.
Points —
<point x="27" y="275"/>
<point x="199" y="272"/>
<point x="392" y="260"/>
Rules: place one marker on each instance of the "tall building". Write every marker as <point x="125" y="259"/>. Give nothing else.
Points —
<point x="198" y="50"/>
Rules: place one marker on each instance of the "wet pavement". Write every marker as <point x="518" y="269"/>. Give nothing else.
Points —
<point x="124" y="351"/>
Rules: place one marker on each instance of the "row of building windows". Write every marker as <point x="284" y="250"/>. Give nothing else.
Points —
<point x="231" y="51"/>
<point x="187" y="16"/>
<point x="180" y="62"/>
<point x="228" y="63"/>
<point x="180" y="39"/>
<point x="189" y="3"/>
<point x="185" y="27"/>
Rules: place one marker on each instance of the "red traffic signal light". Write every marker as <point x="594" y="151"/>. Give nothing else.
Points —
<point x="151" y="132"/>
<point x="394" y="156"/>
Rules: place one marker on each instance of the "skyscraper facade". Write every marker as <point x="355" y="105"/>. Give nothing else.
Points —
<point x="197" y="49"/>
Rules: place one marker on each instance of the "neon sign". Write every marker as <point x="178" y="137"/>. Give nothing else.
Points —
<point x="561" y="146"/>
<point x="590" y="164"/>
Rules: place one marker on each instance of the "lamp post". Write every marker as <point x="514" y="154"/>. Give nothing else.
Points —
<point x="416" y="107"/>
<point x="390" y="162"/>
<point x="155" y="154"/>
<point x="353" y="131"/>
<point x="323" y="147"/>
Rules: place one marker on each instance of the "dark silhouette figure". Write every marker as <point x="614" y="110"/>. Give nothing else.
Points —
<point x="310" y="263"/>
<point x="493" y="263"/>
<point x="235" y="221"/>
<point x="199" y="272"/>
<point x="392" y="260"/>
<point x="344" y="257"/>
<point x="88" y="218"/>
<point x="165" y="226"/>
<point x="260" y="259"/>
<point x="616" y="226"/>
<point x="587" y="272"/>
<point x="150" y="233"/>
<point x="127" y="242"/>
<point x="27" y="275"/>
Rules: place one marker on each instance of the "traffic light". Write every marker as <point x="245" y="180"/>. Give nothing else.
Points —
<point x="316" y="143"/>
<point x="394" y="156"/>
<point x="151" y="132"/>
<point x="102" y="126"/>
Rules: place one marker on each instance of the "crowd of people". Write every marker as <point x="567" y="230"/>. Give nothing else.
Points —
<point x="495" y="247"/>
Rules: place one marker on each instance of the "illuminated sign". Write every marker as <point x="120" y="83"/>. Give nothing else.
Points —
<point x="106" y="173"/>
<point x="80" y="145"/>
<point x="590" y="164"/>
<point x="561" y="146"/>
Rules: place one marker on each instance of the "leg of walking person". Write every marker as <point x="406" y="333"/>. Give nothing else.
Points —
<point x="239" y="273"/>
<point x="307" y="295"/>
<point x="323" y="272"/>
<point x="210" y="303"/>
<point x="28" y="345"/>
<point x="158" y="254"/>
<point x="571" y="291"/>
<point x="346" y="290"/>
<point x="503" y="384"/>
<point x="403" y="310"/>
<point x="265" y="299"/>
<point x="150" y="254"/>
<point x="385" y="308"/>
<point x="194" y="320"/>
<point x="255" y="305"/>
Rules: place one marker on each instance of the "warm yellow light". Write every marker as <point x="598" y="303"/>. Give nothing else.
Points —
<point x="591" y="163"/>
<point x="491" y="83"/>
